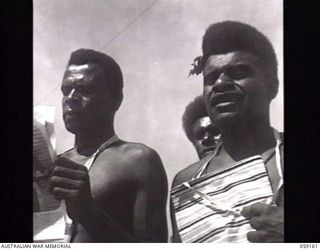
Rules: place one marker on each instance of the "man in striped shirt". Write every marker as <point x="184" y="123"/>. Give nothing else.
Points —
<point x="240" y="80"/>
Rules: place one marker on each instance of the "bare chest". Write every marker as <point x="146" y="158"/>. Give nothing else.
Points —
<point x="111" y="181"/>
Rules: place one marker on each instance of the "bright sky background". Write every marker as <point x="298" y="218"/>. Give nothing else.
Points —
<point x="155" y="52"/>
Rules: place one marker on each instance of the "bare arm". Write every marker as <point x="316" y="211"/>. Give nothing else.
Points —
<point x="149" y="219"/>
<point x="175" y="232"/>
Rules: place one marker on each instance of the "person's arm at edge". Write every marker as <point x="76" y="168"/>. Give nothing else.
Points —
<point x="175" y="232"/>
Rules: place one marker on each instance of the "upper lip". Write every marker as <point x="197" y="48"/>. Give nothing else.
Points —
<point x="222" y="97"/>
<point x="209" y="146"/>
<point x="70" y="111"/>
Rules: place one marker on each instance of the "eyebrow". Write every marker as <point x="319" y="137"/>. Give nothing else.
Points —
<point x="78" y="67"/>
<point x="74" y="72"/>
<point x="239" y="64"/>
<point x="243" y="66"/>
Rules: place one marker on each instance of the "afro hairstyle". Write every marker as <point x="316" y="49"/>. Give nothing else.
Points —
<point x="229" y="36"/>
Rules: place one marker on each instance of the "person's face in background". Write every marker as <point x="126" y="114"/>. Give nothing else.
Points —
<point x="206" y="136"/>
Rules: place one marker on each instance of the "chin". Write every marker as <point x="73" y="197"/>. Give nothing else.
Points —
<point x="72" y="128"/>
<point x="206" y="153"/>
<point x="226" y="119"/>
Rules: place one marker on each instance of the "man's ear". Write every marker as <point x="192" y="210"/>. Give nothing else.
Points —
<point x="272" y="84"/>
<point x="273" y="87"/>
<point x="113" y="101"/>
<point x="117" y="102"/>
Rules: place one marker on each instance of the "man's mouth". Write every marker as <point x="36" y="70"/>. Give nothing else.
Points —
<point x="225" y="99"/>
<point x="71" y="114"/>
<point x="209" y="148"/>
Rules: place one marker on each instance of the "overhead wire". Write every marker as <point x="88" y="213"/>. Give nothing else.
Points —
<point x="129" y="24"/>
<point x="111" y="40"/>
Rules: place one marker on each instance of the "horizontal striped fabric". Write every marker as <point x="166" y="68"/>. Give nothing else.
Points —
<point x="42" y="161"/>
<point x="207" y="208"/>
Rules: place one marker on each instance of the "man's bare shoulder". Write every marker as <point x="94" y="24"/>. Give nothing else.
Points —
<point x="132" y="151"/>
<point x="189" y="172"/>
<point x="134" y="155"/>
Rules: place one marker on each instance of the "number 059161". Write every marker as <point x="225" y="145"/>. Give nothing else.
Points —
<point x="308" y="245"/>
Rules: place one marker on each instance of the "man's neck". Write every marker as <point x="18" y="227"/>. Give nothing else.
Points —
<point x="248" y="139"/>
<point x="87" y="142"/>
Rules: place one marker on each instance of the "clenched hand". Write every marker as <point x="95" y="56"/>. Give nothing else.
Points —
<point x="70" y="181"/>
<point x="268" y="221"/>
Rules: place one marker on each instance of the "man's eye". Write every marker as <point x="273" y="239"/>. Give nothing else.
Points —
<point x="65" y="91"/>
<point x="214" y="131"/>
<point x="212" y="78"/>
<point x="199" y="135"/>
<point x="239" y="73"/>
<point x="85" y="91"/>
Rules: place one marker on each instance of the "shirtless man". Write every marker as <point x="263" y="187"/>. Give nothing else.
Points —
<point x="240" y="80"/>
<point x="200" y="130"/>
<point x="123" y="196"/>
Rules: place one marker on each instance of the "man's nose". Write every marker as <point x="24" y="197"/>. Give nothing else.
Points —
<point x="73" y="96"/>
<point x="207" y="139"/>
<point x="224" y="83"/>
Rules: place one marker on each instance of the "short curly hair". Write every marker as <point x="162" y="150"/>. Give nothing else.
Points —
<point x="113" y="74"/>
<point x="193" y="111"/>
<point x="228" y="36"/>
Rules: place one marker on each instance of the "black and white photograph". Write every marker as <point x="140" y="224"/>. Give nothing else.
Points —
<point x="158" y="121"/>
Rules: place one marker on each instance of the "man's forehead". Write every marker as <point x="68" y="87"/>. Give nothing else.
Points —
<point x="235" y="57"/>
<point x="83" y="68"/>
<point x="204" y="121"/>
